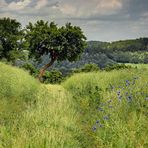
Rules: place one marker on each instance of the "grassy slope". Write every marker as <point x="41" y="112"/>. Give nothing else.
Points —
<point x="49" y="120"/>
<point x="118" y="116"/>
<point x="85" y="111"/>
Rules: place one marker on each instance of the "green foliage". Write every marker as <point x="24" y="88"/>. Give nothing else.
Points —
<point x="61" y="43"/>
<point x="117" y="67"/>
<point x="10" y="38"/>
<point x="87" y="68"/>
<point x="29" y="67"/>
<point x="53" y="76"/>
<point x="90" y="68"/>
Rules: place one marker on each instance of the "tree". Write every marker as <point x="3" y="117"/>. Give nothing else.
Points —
<point x="60" y="43"/>
<point x="10" y="38"/>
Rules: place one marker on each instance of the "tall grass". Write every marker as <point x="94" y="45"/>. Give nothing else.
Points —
<point x="93" y="110"/>
<point x="47" y="121"/>
<point x="118" y="116"/>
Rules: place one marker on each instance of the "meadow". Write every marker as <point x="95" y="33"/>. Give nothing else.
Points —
<point x="88" y="110"/>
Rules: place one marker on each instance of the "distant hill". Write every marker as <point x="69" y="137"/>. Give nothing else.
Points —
<point x="105" y="53"/>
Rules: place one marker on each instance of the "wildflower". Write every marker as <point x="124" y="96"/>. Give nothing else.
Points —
<point x="146" y="99"/>
<point x="94" y="128"/>
<point x="126" y="93"/>
<point x="129" y="98"/>
<point x="119" y="97"/>
<point x="100" y="125"/>
<point x="97" y="121"/>
<point x="127" y="82"/>
<point x="110" y="106"/>
<point x="100" y="109"/>
<point x="105" y="118"/>
<point x="109" y="101"/>
<point x="118" y="93"/>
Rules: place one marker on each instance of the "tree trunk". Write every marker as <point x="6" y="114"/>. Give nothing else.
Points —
<point x="42" y="70"/>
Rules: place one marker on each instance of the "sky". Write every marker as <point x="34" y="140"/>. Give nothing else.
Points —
<point x="102" y="20"/>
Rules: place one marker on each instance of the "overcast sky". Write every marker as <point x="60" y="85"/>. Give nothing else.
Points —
<point x="103" y="20"/>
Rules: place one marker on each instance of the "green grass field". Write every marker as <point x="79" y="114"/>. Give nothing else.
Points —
<point x="140" y="66"/>
<point x="88" y="110"/>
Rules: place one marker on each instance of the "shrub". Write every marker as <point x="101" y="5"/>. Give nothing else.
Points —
<point x="87" y="68"/>
<point x="29" y="67"/>
<point x="53" y="77"/>
<point x="116" y="67"/>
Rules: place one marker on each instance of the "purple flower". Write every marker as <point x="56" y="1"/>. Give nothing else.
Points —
<point x="118" y="92"/>
<point x="100" y="125"/>
<point x="106" y="118"/>
<point x="146" y="99"/>
<point x="126" y="93"/>
<point x="129" y="98"/>
<point x="94" y="128"/>
<point x="97" y="121"/>
<point x="119" y="97"/>
<point x="127" y="82"/>
<point x="100" y="109"/>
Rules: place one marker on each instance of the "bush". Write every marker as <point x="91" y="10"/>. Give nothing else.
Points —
<point x="117" y="67"/>
<point x="53" y="77"/>
<point x="29" y="67"/>
<point x="87" y="68"/>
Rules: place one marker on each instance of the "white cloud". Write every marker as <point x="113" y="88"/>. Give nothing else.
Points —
<point x="3" y="3"/>
<point x="79" y="8"/>
<point x="41" y="3"/>
<point x="19" y="5"/>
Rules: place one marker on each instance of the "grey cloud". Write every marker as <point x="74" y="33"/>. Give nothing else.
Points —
<point x="129" y="19"/>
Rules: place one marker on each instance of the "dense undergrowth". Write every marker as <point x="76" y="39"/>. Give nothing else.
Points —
<point x="97" y="109"/>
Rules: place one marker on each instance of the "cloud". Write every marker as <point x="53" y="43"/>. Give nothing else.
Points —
<point x="41" y="3"/>
<point x="80" y="8"/>
<point x="100" y="19"/>
<point x="3" y="3"/>
<point x="18" y="5"/>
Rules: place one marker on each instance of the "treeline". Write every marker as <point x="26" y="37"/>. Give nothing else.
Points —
<point x="105" y="53"/>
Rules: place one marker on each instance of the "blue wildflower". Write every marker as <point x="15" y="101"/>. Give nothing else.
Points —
<point x="118" y="92"/>
<point x="106" y="118"/>
<point x="119" y="97"/>
<point x="97" y="121"/>
<point x="94" y="128"/>
<point x="100" y="109"/>
<point x="127" y="82"/>
<point x="100" y="125"/>
<point x="129" y="98"/>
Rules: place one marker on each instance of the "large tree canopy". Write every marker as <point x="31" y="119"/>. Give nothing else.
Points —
<point x="10" y="37"/>
<point x="60" y="43"/>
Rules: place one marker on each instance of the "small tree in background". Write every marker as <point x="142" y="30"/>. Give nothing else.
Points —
<point x="60" y="43"/>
